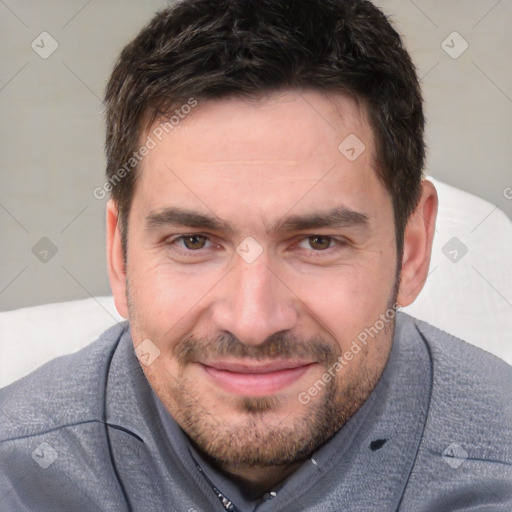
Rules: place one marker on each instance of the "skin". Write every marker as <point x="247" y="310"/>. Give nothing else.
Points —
<point x="217" y="317"/>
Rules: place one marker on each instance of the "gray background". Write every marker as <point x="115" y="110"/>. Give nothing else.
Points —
<point x="52" y="124"/>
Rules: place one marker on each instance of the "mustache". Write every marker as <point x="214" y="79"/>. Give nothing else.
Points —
<point x="281" y="345"/>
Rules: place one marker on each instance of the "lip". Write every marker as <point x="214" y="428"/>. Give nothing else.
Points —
<point x="264" y="379"/>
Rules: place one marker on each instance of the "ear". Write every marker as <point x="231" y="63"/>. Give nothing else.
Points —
<point x="418" y="237"/>
<point x="115" y="260"/>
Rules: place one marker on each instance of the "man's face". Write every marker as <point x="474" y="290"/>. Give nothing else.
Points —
<point x="258" y="251"/>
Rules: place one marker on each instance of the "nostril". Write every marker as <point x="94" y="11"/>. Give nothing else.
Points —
<point x="377" y="444"/>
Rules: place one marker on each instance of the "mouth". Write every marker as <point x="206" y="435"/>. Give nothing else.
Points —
<point x="243" y="379"/>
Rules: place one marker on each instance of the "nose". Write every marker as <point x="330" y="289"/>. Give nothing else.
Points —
<point x="254" y="303"/>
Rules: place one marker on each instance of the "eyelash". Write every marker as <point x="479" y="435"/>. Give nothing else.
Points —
<point x="181" y="238"/>
<point x="337" y="243"/>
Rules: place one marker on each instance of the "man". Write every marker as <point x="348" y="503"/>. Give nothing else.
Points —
<point x="268" y="219"/>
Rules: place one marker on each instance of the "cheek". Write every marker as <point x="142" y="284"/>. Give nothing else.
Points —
<point x="349" y="298"/>
<point x="166" y="301"/>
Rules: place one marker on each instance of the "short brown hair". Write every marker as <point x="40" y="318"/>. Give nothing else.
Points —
<point x="210" y="49"/>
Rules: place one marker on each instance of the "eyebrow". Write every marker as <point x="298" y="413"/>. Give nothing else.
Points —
<point x="183" y="217"/>
<point x="340" y="217"/>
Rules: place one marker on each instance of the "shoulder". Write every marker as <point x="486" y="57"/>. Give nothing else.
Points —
<point x="65" y="391"/>
<point x="464" y="458"/>
<point x="466" y="378"/>
<point x="469" y="422"/>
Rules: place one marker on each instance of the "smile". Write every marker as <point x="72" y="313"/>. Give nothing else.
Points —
<point x="255" y="380"/>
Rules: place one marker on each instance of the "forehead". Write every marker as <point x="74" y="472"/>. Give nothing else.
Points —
<point x="308" y="120"/>
<point x="261" y="153"/>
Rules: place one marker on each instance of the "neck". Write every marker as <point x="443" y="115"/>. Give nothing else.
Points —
<point x="254" y="480"/>
<point x="257" y="480"/>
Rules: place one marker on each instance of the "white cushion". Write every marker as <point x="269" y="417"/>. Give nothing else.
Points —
<point x="29" y="337"/>
<point x="470" y="298"/>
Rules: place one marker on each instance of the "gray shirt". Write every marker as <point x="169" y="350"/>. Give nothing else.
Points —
<point x="85" y="432"/>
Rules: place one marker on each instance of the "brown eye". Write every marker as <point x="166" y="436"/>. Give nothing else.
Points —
<point x="194" y="242"/>
<point x="319" y="243"/>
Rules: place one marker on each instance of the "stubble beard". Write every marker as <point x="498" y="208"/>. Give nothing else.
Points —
<point x="260" y="434"/>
